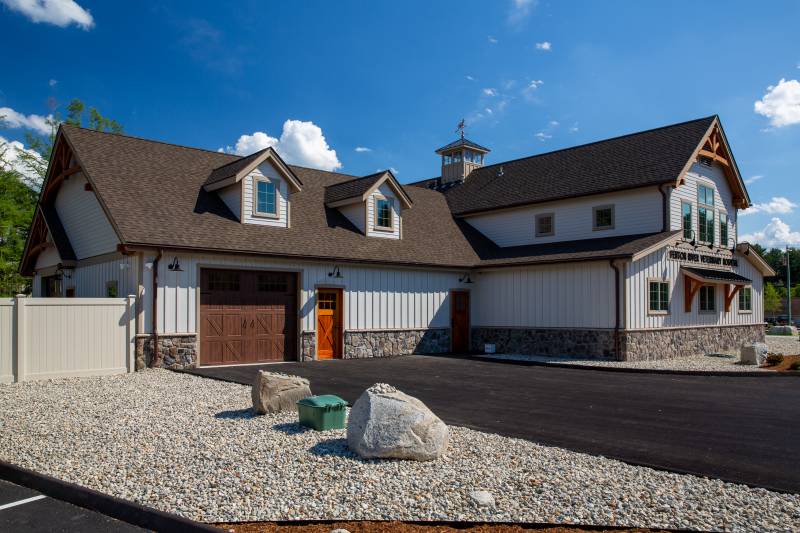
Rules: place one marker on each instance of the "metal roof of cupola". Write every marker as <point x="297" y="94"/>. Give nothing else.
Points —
<point x="460" y="157"/>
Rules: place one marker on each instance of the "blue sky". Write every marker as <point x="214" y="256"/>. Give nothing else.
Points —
<point x="358" y="86"/>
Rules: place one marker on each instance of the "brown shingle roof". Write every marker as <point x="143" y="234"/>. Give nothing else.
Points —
<point x="232" y="168"/>
<point x="154" y="193"/>
<point x="351" y="188"/>
<point x="640" y="159"/>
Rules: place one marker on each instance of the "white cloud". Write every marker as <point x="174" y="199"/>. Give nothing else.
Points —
<point x="491" y="40"/>
<point x="14" y="119"/>
<point x="362" y="149"/>
<point x="470" y="78"/>
<point x="778" y="205"/>
<point x="542" y="136"/>
<point x="519" y="10"/>
<point x="554" y="123"/>
<point x="52" y="83"/>
<point x="781" y="104"/>
<point x="753" y="179"/>
<point x="489" y="111"/>
<point x="535" y="84"/>
<point x="573" y="128"/>
<point x="546" y="46"/>
<point x="776" y="233"/>
<point x="60" y="13"/>
<point x="301" y="143"/>
<point x="394" y="171"/>
<point x="489" y="91"/>
<point x="12" y="157"/>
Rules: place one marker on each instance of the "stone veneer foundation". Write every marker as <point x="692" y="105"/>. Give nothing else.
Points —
<point x="594" y="343"/>
<point x="682" y="342"/>
<point x="177" y="351"/>
<point x="382" y="343"/>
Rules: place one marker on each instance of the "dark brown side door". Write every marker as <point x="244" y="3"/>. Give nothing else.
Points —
<point x="247" y="316"/>
<point x="459" y="311"/>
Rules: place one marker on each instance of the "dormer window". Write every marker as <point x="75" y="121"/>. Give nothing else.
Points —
<point x="266" y="204"/>
<point x="383" y="214"/>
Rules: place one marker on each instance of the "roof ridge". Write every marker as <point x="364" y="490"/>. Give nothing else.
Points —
<point x="242" y="157"/>
<point x="125" y="135"/>
<point x="600" y="141"/>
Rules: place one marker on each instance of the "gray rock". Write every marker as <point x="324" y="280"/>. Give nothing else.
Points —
<point x="782" y="330"/>
<point x="753" y="354"/>
<point x="339" y="530"/>
<point x="273" y="392"/>
<point x="482" y="498"/>
<point x="387" y="423"/>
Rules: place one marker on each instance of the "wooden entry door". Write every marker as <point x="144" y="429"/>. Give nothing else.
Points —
<point x="459" y="312"/>
<point x="329" y="323"/>
<point x="247" y="316"/>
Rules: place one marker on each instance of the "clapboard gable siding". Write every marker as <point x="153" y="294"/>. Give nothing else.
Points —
<point x="84" y="221"/>
<point x="268" y="172"/>
<point x="384" y="191"/>
<point x="687" y="192"/>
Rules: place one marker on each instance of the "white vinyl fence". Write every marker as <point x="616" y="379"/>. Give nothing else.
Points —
<point x="42" y="338"/>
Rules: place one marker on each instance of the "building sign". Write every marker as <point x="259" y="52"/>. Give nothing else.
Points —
<point x="695" y="257"/>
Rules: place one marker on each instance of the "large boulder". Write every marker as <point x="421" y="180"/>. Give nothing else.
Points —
<point x="753" y="354"/>
<point x="387" y="423"/>
<point x="782" y="330"/>
<point x="273" y="392"/>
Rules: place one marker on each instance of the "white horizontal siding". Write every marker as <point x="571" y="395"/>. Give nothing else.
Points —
<point x="232" y="196"/>
<point x="266" y="170"/>
<point x="374" y="298"/>
<point x="84" y="221"/>
<point x="355" y="214"/>
<point x="578" y="295"/>
<point x="658" y="266"/>
<point x="385" y="191"/>
<point x="637" y="211"/>
<point x="687" y="192"/>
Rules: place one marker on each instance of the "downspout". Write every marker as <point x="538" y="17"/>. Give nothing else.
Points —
<point x="156" y="361"/>
<point x="617" y="275"/>
<point x="664" y="208"/>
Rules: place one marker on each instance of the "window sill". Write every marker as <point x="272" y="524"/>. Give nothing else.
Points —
<point x="269" y="216"/>
<point x="708" y="312"/>
<point x="383" y="229"/>
<point x="657" y="313"/>
<point x="545" y="235"/>
<point x="745" y="312"/>
<point x="602" y="228"/>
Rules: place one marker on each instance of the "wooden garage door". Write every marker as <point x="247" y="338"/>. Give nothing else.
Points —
<point x="247" y="316"/>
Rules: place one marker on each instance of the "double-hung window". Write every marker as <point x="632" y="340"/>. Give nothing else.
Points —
<point x="545" y="225"/>
<point x="723" y="230"/>
<point x="383" y="214"/>
<point x="746" y="300"/>
<point x="708" y="298"/>
<point x="266" y="198"/>
<point x="659" y="297"/>
<point x="705" y="213"/>
<point x="686" y="217"/>
<point x="603" y="217"/>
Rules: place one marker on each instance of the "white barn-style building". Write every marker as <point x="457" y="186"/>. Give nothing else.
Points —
<point x="621" y="249"/>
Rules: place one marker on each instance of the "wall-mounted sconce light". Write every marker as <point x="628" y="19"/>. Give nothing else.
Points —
<point x="63" y="273"/>
<point x="335" y="273"/>
<point x="465" y="278"/>
<point x="175" y="266"/>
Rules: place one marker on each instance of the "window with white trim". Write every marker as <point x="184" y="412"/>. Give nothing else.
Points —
<point x="545" y="225"/>
<point x="658" y="297"/>
<point x="705" y="213"/>
<point x="746" y="300"/>
<point x="723" y="230"/>
<point x="708" y="298"/>
<point x="383" y="213"/>
<point x="686" y="218"/>
<point x="266" y="203"/>
<point x="603" y="217"/>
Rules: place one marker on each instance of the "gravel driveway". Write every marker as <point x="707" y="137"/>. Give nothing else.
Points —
<point x="189" y="445"/>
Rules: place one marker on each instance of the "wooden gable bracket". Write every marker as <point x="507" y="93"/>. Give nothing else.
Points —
<point x="714" y="149"/>
<point x="690" y="288"/>
<point x="730" y="293"/>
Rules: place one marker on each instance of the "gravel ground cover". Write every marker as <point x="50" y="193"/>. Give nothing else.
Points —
<point x="403" y="527"/>
<point x="698" y="363"/>
<point x="191" y="446"/>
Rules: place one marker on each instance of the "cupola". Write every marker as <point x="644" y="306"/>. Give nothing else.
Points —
<point x="460" y="157"/>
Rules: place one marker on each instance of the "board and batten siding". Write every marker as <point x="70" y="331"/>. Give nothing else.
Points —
<point x="636" y="211"/>
<point x="657" y="266"/>
<point x="687" y="192"/>
<point x="267" y="171"/>
<point x="570" y="295"/>
<point x="374" y="298"/>
<point x="89" y="278"/>
<point x="84" y="220"/>
<point x="386" y="192"/>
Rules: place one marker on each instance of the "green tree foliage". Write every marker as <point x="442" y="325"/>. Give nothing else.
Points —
<point x="19" y="192"/>
<point x="772" y="299"/>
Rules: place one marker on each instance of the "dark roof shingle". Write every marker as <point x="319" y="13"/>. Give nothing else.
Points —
<point x="350" y="189"/>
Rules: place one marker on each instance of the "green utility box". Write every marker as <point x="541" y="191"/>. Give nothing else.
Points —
<point x="322" y="412"/>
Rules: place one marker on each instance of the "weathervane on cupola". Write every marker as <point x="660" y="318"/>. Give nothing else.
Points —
<point x="460" y="157"/>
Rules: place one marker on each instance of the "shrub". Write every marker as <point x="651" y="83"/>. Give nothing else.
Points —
<point x="774" y="359"/>
<point x="795" y="365"/>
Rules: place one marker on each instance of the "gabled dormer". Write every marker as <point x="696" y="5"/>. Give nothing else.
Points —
<point x="374" y="204"/>
<point x="257" y="188"/>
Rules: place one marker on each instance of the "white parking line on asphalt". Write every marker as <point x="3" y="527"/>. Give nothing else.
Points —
<point x="22" y="502"/>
